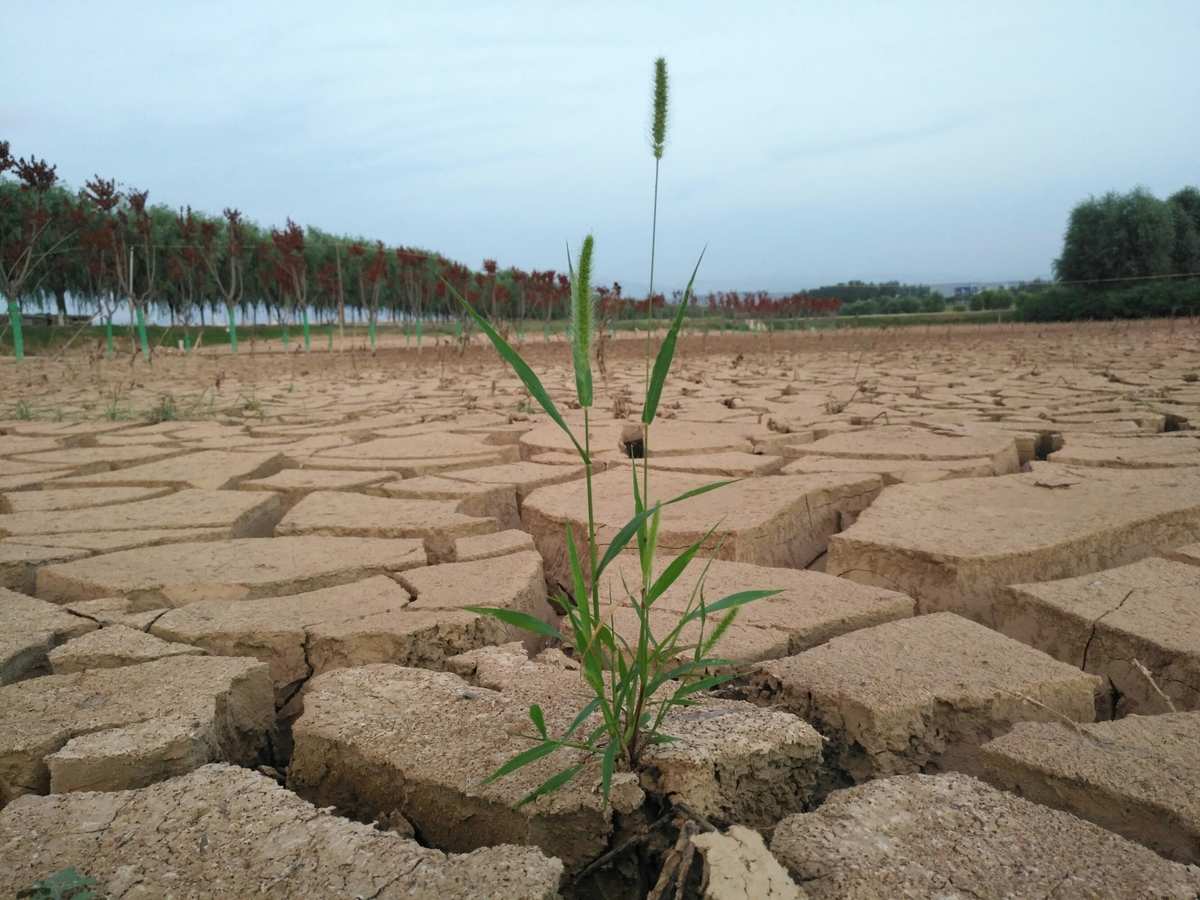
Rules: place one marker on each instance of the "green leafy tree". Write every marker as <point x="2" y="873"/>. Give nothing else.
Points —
<point x="1185" y="208"/>
<point x="1117" y="236"/>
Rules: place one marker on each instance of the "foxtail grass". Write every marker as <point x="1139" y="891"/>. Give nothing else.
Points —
<point x="635" y="682"/>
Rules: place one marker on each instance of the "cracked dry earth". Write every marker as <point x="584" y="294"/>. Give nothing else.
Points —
<point x="236" y="657"/>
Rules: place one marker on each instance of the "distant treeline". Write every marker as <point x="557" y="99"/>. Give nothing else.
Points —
<point x="1124" y="256"/>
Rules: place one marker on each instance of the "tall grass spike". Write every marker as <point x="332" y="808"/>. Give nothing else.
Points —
<point x="658" y="130"/>
<point x="583" y="323"/>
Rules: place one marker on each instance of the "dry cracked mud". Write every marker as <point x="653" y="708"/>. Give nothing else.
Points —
<point x="986" y="543"/>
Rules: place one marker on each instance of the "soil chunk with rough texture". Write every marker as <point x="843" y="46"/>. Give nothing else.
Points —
<point x="953" y="836"/>
<point x="338" y="514"/>
<point x="920" y="694"/>
<point x="223" y="831"/>
<point x="29" y="630"/>
<point x="110" y="729"/>
<point x="1138" y="776"/>
<point x="112" y="647"/>
<point x="955" y="545"/>
<point x="178" y="574"/>
<point x="1113" y="623"/>
<point x="778" y="520"/>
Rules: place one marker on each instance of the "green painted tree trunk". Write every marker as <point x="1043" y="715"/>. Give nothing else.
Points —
<point x="14" y="320"/>
<point x="371" y="332"/>
<point x="141" y="327"/>
<point x="232" y="329"/>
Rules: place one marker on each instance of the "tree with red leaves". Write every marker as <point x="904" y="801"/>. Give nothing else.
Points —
<point x="223" y="250"/>
<point x="28" y="237"/>
<point x="292" y="262"/>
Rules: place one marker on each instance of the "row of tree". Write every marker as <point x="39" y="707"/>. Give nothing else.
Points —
<point x="105" y="246"/>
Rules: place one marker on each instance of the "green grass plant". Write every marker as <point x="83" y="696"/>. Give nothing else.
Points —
<point x="634" y="684"/>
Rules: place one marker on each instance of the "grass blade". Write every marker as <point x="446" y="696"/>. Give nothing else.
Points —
<point x="532" y="383"/>
<point x="662" y="363"/>
<point x="631" y="527"/>
<point x="583" y="716"/>
<point x="522" y="759"/>
<point x="538" y="719"/>
<point x="517" y="619"/>
<point x="606" y="768"/>
<point x="551" y="784"/>
<point x="733" y="600"/>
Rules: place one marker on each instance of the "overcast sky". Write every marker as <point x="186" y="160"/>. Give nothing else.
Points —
<point x="809" y="142"/>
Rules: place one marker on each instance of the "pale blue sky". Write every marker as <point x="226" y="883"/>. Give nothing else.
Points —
<point x="809" y="142"/>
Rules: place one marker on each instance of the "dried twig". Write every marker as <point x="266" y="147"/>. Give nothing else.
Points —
<point x="1054" y="712"/>
<point x="1154" y="684"/>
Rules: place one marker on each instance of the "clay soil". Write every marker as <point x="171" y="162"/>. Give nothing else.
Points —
<point x="986" y="540"/>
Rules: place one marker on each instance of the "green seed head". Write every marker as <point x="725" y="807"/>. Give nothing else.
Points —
<point x="583" y="323"/>
<point x="658" y="130"/>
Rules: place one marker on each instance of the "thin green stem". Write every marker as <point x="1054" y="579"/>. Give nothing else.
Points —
<point x="650" y="296"/>
<point x="593" y="559"/>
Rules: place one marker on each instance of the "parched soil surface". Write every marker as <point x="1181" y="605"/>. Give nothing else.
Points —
<point x="238" y="654"/>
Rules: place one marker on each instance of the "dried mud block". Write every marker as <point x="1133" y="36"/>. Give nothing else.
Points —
<point x="112" y="541"/>
<point x="738" y="866"/>
<point x="380" y="738"/>
<point x="110" y="729"/>
<point x="904" y="442"/>
<point x="736" y="763"/>
<point x="954" y="836"/>
<point x="423" y="639"/>
<point x="435" y="626"/>
<point x="276" y="630"/>
<point x="337" y="514"/>
<point x="295" y="483"/>
<point x="246" y="836"/>
<point x="1148" y="611"/>
<point x="772" y="521"/>
<point x="1158" y="452"/>
<point x="515" y="582"/>
<point x="487" y="546"/>
<point x="178" y="574"/>
<point x="920" y="694"/>
<point x="809" y="609"/>
<point x="416" y="455"/>
<point x="75" y="498"/>
<point x="113" y="647"/>
<point x="498" y="501"/>
<point x="91" y="460"/>
<point x="910" y="471"/>
<point x="730" y="464"/>
<point x="955" y="545"/>
<point x="19" y="563"/>
<point x="1139" y="776"/>
<point x="524" y="477"/>
<point x="239" y="514"/>
<point x="29" y="630"/>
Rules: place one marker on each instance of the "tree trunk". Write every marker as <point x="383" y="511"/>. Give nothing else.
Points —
<point x="60" y="299"/>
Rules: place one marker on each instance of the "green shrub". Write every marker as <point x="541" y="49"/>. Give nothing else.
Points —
<point x="1150" y="299"/>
